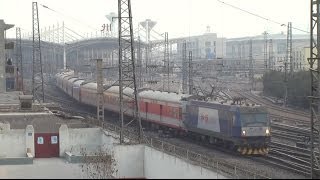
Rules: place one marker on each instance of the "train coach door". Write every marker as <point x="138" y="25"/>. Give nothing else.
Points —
<point x="146" y="110"/>
<point x="46" y="145"/>
<point x="161" y="110"/>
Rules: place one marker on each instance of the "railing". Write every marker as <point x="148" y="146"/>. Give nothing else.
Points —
<point x="214" y="164"/>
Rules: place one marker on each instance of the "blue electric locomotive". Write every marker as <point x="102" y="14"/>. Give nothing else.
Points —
<point x="241" y="126"/>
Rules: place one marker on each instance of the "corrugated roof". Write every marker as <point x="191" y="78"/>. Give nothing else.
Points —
<point x="162" y="96"/>
<point x="78" y="82"/>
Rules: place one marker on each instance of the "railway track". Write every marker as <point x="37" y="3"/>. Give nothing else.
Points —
<point x="69" y="105"/>
<point x="278" y="113"/>
<point x="296" y="129"/>
<point x="295" y="158"/>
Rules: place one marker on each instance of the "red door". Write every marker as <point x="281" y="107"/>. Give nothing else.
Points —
<point x="46" y="145"/>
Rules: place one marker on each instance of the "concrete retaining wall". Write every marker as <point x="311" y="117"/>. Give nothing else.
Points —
<point x="159" y="165"/>
<point x="140" y="161"/>
<point x="132" y="161"/>
<point x="129" y="159"/>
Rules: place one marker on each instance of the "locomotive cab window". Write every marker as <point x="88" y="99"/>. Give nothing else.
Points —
<point x="252" y="119"/>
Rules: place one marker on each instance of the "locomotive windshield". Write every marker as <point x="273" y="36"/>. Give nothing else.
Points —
<point x="254" y="119"/>
<point x="254" y="116"/>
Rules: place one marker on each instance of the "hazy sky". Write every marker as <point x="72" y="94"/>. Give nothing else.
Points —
<point x="178" y="17"/>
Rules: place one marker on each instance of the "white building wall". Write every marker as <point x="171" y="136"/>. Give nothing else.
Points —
<point x="63" y="139"/>
<point x="29" y="136"/>
<point x="13" y="143"/>
<point x="73" y="140"/>
<point x="199" y="45"/>
<point x="84" y="137"/>
<point x="2" y="58"/>
<point x="221" y="47"/>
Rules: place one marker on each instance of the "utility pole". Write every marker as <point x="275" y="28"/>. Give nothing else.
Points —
<point x="314" y="97"/>
<point x="127" y="71"/>
<point x="100" y="101"/>
<point x="184" y="68"/>
<point x="251" y="73"/>
<point x="37" y="76"/>
<point x="19" y="57"/>
<point x="190" y="73"/>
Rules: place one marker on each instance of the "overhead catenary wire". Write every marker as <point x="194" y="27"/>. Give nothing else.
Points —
<point x="82" y="23"/>
<point x="259" y="16"/>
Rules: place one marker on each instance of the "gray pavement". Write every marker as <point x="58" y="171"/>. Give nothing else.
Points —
<point x="44" y="168"/>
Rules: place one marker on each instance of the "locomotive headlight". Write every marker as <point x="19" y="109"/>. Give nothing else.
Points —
<point x="267" y="132"/>
<point x="243" y="132"/>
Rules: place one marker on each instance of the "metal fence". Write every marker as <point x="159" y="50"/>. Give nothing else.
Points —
<point x="220" y="167"/>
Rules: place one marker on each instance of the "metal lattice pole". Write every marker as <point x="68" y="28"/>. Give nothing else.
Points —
<point x="289" y="47"/>
<point x="314" y="72"/>
<point x="147" y="57"/>
<point x="265" y="37"/>
<point x="285" y="99"/>
<point x="184" y="68"/>
<point x="127" y="64"/>
<point x="139" y="63"/>
<point x="19" y="56"/>
<point x="251" y="73"/>
<point x="100" y="104"/>
<point x="166" y="59"/>
<point x="37" y="76"/>
<point x="271" y="57"/>
<point x="288" y="61"/>
<point x="190" y="73"/>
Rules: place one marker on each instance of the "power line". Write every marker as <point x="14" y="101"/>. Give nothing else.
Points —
<point x="257" y="15"/>
<point x="44" y="6"/>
